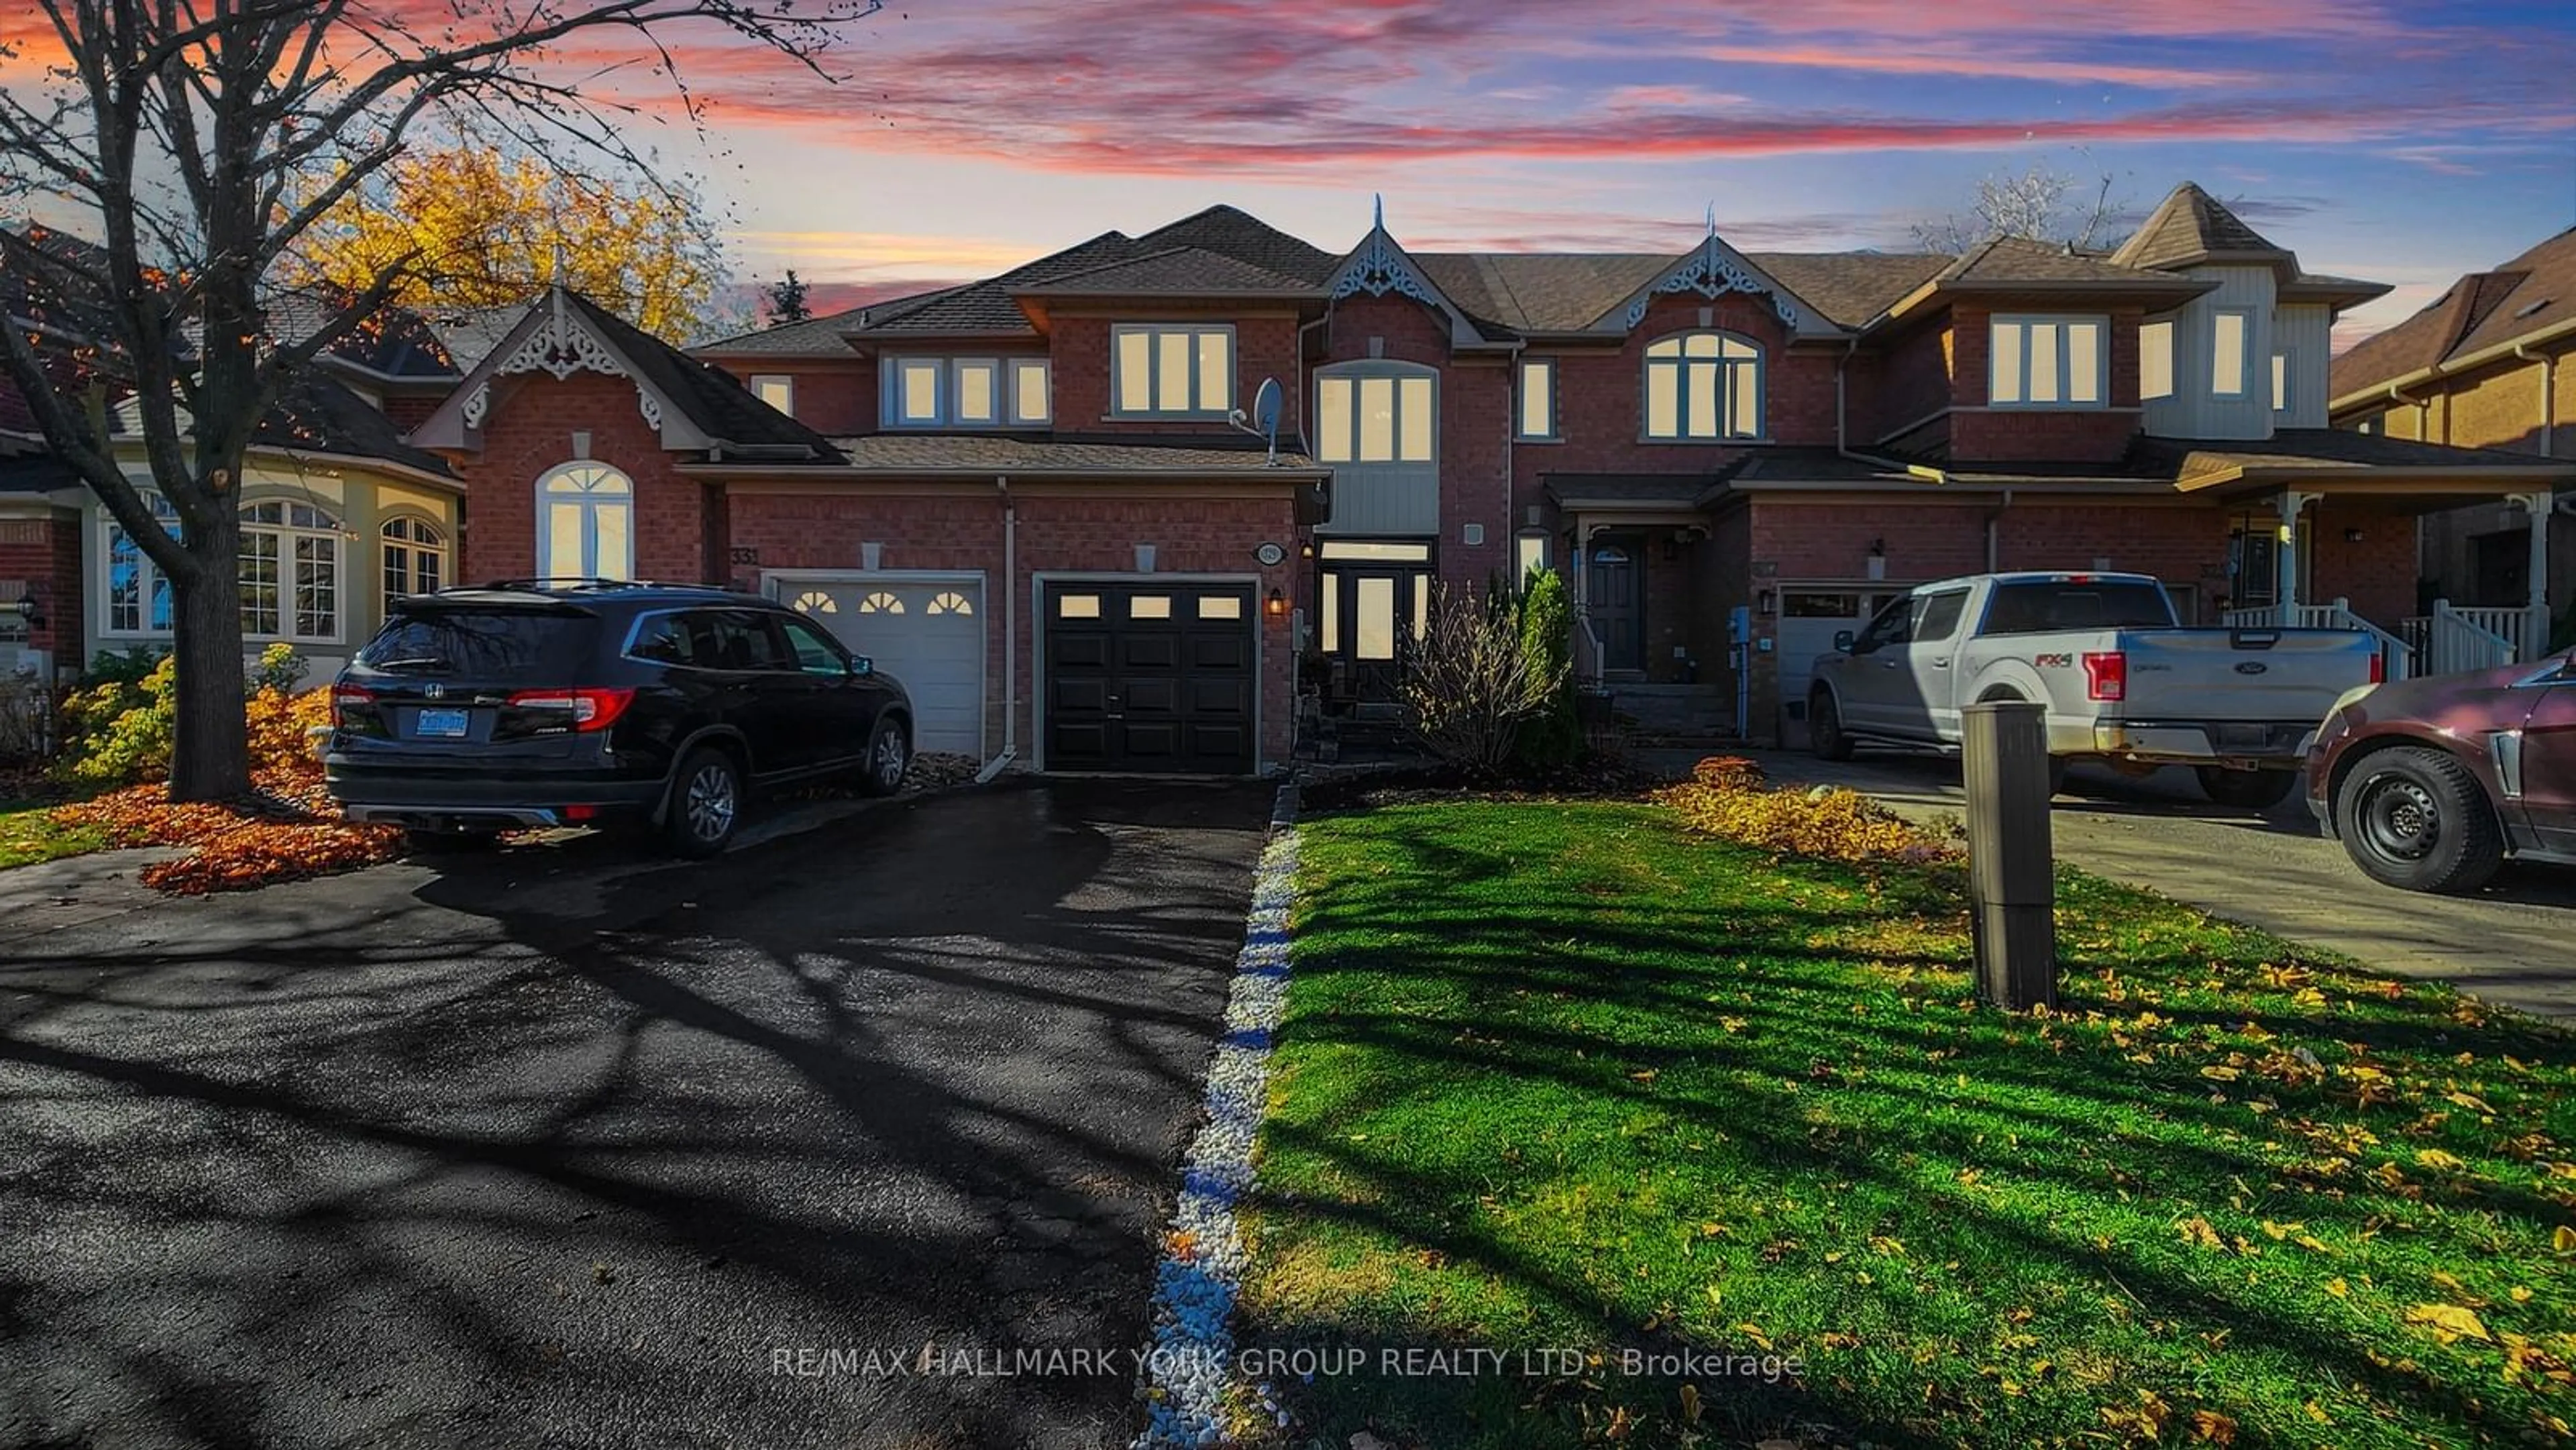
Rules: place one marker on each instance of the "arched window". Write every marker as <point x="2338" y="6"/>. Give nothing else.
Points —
<point x="290" y="571"/>
<point x="138" y="597"/>
<point x="881" y="602"/>
<point x="585" y="523"/>
<point x="816" y="601"/>
<point x="415" y="557"/>
<point x="1377" y="412"/>
<point x="949" y="602"/>
<point x="1703" y="386"/>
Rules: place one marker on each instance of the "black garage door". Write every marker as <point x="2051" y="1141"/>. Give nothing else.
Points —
<point x="1151" y="677"/>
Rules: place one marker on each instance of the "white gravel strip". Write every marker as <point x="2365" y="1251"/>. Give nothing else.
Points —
<point x="1188" y="1366"/>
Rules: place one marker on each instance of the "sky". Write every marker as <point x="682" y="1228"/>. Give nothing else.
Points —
<point x="948" y="139"/>
<point x="2403" y="143"/>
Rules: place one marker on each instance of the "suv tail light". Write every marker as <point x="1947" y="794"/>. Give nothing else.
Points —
<point x="2106" y="676"/>
<point x="345" y="698"/>
<point x="590" y="709"/>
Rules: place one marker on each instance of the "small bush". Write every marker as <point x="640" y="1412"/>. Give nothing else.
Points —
<point x="1553" y="737"/>
<point x="1469" y="688"/>
<point x="1726" y="798"/>
<point x="118" y="729"/>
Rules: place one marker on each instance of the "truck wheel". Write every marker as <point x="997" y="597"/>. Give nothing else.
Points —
<point x="2416" y="819"/>
<point x="2057" y="775"/>
<point x="2253" y="790"/>
<point x="1825" y="728"/>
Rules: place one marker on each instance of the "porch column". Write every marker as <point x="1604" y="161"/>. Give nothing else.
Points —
<point x="2287" y="557"/>
<point x="2539" y="506"/>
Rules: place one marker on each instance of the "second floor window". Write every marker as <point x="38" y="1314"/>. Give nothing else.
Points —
<point x="1172" y="370"/>
<point x="2230" y="334"/>
<point x="1703" y="386"/>
<point x="1381" y="413"/>
<point x="2156" y="361"/>
<point x="2048" y="362"/>
<point x="778" y="390"/>
<point x="1538" y="399"/>
<point x="966" y="392"/>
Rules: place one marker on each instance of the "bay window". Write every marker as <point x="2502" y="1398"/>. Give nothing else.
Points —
<point x="2048" y="362"/>
<point x="290" y="571"/>
<point x="138" y="594"/>
<point x="415" y="558"/>
<point x="1171" y="370"/>
<point x="1702" y="387"/>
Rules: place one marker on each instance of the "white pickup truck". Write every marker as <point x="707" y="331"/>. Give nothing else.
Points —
<point x="2122" y="680"/>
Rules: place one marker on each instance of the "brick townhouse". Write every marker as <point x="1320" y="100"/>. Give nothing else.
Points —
<point x="1055" y="502"/>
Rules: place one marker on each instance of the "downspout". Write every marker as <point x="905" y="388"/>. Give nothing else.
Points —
<point x="1010" y="637"/>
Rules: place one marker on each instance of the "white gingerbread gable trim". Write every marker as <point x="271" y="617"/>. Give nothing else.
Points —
<point x="1712" y="269"/>
<point x="1379" y="265"/>
<point x="554" y="339"/>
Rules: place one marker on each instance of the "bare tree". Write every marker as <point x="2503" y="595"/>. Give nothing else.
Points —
<point x="2041" y="205"/>
<point x="202" y="139"/>
<point x="1469" y="684"/>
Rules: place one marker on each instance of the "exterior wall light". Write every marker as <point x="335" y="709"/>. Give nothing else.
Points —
<point x="1276" y="606"/>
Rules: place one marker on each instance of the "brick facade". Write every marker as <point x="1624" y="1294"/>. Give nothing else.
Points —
<point x="530" y="430"/>
<point x="45" y="554"/>
<point x="1265" y="346"/>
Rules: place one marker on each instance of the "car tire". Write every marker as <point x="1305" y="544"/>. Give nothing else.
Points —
<point x="2418" y="820"/>
<point x="705" y="805"/>
<point x="889" y="757"/>
<point x="2253" y="790"/>
<point x="448" y="843"/>
<point x="1825" y="728"/>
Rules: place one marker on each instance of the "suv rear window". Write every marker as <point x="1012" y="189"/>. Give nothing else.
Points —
<point x="2044" y="608"/>
<point x="498" y="644"/>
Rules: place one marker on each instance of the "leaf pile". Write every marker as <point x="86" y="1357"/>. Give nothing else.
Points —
<point x="288" y="828"/>
<point x="1726" y="797"/>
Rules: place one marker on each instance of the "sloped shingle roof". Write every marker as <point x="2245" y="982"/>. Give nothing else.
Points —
<point x="1850" y="288"/>
<point x="720" y="407"/>
<point x="2328" y="448"/>
<point x="1246" y="238"/>
<point x="2482" y="310"/>
<point x="1180" y="271"/>
<point x="1002" y="453"/>
<point x="814" y="337"/>
<point x="2190" y="227"/>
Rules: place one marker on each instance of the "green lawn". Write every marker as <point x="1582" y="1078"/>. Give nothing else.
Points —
<point x="27" y="836"/>
<point x="1567" y="1075"/>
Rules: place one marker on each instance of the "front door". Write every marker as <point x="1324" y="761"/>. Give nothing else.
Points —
<point x="1616" y="599"/>
<point x="1371" y="597"/>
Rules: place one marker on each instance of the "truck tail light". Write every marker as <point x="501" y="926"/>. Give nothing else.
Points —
<point x="2106" y="676"/>
<point x="345" y="698"/>
<point x="590" y="709"/>
<point x="2379" y="668"/>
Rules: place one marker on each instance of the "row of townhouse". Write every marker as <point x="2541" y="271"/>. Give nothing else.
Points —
<point x="1126" y="506"/>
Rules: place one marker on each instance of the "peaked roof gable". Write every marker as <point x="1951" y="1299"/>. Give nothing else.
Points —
<point x="2532" y="294"/>
<point x="1173" y="271"/>
<point x="1379" y="265"/>
<point x="2192" y="227"/>
<point x="1712" y="269"/>
<point x="694" y="406"/>
<point x="1230" y="232"/>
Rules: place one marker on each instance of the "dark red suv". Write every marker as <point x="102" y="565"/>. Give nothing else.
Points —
<point x="2430" y="783"/>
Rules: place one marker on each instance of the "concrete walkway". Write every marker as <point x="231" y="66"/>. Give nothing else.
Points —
<point x="2513" y="944"/>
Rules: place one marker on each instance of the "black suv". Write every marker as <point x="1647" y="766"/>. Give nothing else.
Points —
<point x="546" y="703"/>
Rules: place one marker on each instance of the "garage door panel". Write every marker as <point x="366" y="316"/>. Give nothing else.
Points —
<point x="927" y="636"/>
<point x="1154" y="677"/>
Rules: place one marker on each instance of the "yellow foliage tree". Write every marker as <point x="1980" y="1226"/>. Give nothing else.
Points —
<point x="471" y="226"/>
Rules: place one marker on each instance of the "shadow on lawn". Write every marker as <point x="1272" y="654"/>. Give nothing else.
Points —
<point x="561" y="1149"/>
<point x="1680" y="1019"/>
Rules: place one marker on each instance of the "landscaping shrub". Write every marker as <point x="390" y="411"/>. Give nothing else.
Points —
<point x="1469" y="688"/>
<point x="117" y="729"/>
<point x="1726" y="797"/>
<point x="1553" y="737"/>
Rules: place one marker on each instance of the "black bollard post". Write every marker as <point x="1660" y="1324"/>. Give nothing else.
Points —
<point x="2012" y="885"/>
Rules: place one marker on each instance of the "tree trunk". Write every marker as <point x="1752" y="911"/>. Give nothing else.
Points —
<point x="210" y="759"/>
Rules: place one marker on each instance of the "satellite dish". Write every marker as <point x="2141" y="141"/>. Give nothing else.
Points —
<point x="1267" y="402"/>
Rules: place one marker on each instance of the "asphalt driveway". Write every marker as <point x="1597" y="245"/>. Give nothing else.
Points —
<point x="2514" y="943"/>
<point x="573" y="1148"/>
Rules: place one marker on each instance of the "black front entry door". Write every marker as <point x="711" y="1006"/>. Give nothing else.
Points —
<point x="1150" y="677"/>
<point x="1617" y="569"/>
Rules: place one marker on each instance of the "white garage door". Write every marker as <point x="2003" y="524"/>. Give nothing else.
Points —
<point x="1809" y="620"/>
<point x="927" y="633"/>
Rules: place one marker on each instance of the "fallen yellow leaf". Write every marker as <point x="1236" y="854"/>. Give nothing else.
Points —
<point x="2213" y="1427"/>
<point x="2337" y="1287"/>
<point x="2450" y="1322"/>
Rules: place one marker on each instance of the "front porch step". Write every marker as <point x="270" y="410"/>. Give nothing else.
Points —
<point x="1691" y="711"/>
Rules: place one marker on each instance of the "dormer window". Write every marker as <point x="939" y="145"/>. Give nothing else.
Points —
<point x="1172" y="370"/>
<point x="1703" y="387"/>
<point x="966" y="392"/>
<point x="2048" y="362"/>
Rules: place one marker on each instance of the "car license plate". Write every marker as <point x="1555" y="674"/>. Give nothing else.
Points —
<point x="441" y="724"/>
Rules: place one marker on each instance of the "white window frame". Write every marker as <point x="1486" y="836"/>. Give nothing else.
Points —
<point x="439" y="547"/>
<point x="948" y="376"/>
<point x="1544" y="370"/>
<point x="2062" y="327"/>
<point x="148" y="579"/>
<point x="2219" y="387"/>
<point x="1345" y="450"/>
<point x="1200" y="404"/>
<point x="778" y="390"/>
<point x="300" y="544"/>
<point x="2148" y="390"/>
<point x="1731" y="367"/>
<point x="1529" y="556"/>
<point x="612" y="488"/>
